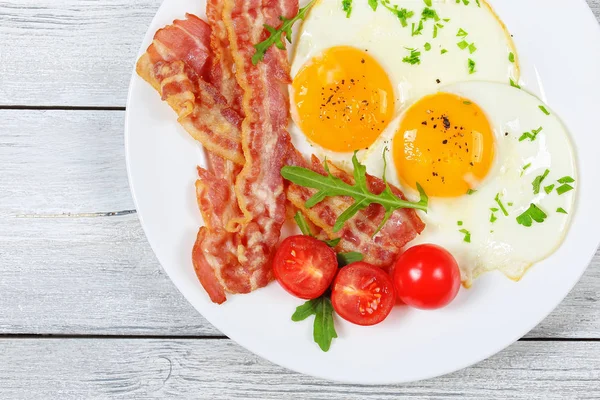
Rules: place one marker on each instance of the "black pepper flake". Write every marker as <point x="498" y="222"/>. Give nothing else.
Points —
<point x="362" y="61"/>
<point x="424" y="123"/>
<point x="445" y="142"/>
<point x="438" y="81"/>
<point x="505" y="133"/>
<point x="446" y="122"/>
<point x="435" y="126"/>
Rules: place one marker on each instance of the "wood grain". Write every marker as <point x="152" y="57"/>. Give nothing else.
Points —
<point x="219" y="369"/>
<point x="43" y="63"/>
<point x="68" y="269"/>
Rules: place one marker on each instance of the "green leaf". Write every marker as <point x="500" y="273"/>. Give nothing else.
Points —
<point x="306" y="310"/>
<point x="373" y="4"/>
<point x="347" y="6"/>
<point x="548" y="189"/>
<point x="467" y="234"/>
<point x="564" y="189"/>
<point x="332" y="242"/>
<point x="533" y="213"/>
<point x="302" y="224"/>
<point x="499" y="202"/>
<point x="331" y="186"/>
<point x="348" y="258"/>
<point x="566" y="179"/>
<point x="537" y="182"/>
<point x="275" y="35"/>
<point x="324" y="328"/>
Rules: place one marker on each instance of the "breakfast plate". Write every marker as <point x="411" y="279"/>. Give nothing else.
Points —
<point x="557" y="65"/>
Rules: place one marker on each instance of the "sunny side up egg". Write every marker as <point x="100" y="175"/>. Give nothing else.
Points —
<point x="498" y="166"/>
<point x="353" y="72"/>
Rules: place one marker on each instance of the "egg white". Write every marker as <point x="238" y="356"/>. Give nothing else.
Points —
<point x="381" y="34"/>
<point x="504" y="244"/>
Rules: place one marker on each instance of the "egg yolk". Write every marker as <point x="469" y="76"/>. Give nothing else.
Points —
<point x="343" y="99"/>
<point x="445" y="143"/>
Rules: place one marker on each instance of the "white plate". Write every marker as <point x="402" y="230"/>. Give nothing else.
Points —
<point x="558" y="45"/>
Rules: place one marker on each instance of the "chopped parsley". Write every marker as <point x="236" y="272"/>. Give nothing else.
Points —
<point x="402" y="14"/>
<point x="533" y="213"/>
<point x="443" y="51"/>
<point x="413" y="58"/>
<point x="472" y="48"/>
<point x="514" y="84"/>
<point x="525" y="168"/>
<point x="462" y="33"/>
<point x="511" y="57"/>
<point x="471" y="65"/>
<point x="471" y="191"/>
<point x="429" y="13"/>
<point x="544" y="110"/>
<point x="459" y="223"/>
<point x="493" y="218"/>
<point x="417" y="29"/>
<point x="462" y="44"/>
<point x="427" y="46"/>
<point x="566" y="179"/>
<point x="427" y="3"/>
<point x="538" y="181"/>
<point x="548" y="189"/>
<point x="497" y="200"/>
<point x="564" y="188"/>
<point x="561" y="210"/>
<point x="347" y="6"/>
<point x="530" y="135"/>
<point x="467" y="234"/>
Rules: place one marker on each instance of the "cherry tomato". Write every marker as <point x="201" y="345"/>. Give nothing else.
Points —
<point x="304" y="266"/>
<point x="427" y="277"/>
<point x="363" y="294"/>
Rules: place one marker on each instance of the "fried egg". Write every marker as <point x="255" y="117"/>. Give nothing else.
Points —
<point x="498" y="166"/>
<point x="353" y="71"/>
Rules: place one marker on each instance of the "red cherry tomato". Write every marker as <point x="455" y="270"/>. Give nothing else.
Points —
<point x="427" y="277"/>
<point x="363" y="294"/>
<point x="304" y="266"/>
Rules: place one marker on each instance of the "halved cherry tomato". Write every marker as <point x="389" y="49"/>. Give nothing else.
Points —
<point x="304" y="266"/>
<point x="363" y="294"/>
<point x="426" y="276"/>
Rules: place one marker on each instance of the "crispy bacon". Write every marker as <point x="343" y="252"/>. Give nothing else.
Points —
<point x="265" y="141"/>
<point x="215" y="252"/>
<point x="175" y="64"/>
<point x="356" y="234"/>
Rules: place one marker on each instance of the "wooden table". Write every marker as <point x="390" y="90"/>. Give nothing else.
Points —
<point x="86" y="311"/>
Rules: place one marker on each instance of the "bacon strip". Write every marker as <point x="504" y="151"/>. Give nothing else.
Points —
<point x="356" y="234"/>
<point x="265" y="140"/>
<point x="176" y="64"/>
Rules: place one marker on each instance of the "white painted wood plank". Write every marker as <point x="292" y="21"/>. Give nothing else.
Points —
<point x="73" y="52"/>
<point x="55" y="162"/>
<point x="82" y="275"/>
<point x="70" y="52"/>
<point x="220" y="369"/>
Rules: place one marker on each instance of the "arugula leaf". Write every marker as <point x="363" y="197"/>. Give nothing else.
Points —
<point x="332" y="242"/>
<point x="305" y="310"/>
<point x="302" y="224"/>
<point x="533" y="213"/>
<point x="537" y="182"/>
<point x="331" y="186"/>
<point x="348" y="258"/>
<point x="323" y="326"/>
<point x="275" y="34"/>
